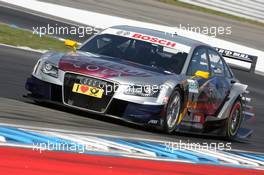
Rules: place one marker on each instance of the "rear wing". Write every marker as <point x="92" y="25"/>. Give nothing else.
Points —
<point x="251" y="59"/>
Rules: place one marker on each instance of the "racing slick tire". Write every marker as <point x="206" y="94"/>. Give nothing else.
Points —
<point x="234" y="120"/>
<point x="173" y="111"/>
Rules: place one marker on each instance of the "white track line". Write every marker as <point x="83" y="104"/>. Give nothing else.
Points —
<point x="24" y="48"/>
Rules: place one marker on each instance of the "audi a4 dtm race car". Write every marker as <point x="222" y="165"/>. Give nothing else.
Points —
<point x="147" y="77"/>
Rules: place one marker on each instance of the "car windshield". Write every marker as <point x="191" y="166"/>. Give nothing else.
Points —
<point x="169" y="60"/>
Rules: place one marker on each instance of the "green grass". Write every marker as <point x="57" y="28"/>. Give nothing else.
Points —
<point x="19" y="37"/>
<point x="213" y="12"/>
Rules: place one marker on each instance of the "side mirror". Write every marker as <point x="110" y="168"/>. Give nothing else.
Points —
<point x="70" y="43"/>
<point x="202" y="74"/>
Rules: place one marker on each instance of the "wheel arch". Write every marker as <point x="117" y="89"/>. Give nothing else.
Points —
<point x="235" y="93"/>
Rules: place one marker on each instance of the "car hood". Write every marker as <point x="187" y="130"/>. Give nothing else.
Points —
<point x="114" y="69"/>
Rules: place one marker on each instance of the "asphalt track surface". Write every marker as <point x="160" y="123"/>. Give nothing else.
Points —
<point x="16" y="65"/>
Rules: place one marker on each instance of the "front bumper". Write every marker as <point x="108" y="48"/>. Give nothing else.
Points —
<point x="138" y="113"/>
<point x="43" y="90"/>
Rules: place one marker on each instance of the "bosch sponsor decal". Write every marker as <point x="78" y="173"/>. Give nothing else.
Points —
<point x="149" y="38"/>
<point x="154" y="40"/>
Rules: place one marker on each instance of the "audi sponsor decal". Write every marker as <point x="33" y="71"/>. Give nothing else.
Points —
<point x="102" y="69"/>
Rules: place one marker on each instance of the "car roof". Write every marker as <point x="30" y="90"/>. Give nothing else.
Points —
<point x="160" y="34"/>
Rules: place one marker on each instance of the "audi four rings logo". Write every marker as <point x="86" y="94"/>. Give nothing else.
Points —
<point x="93" y="82"/>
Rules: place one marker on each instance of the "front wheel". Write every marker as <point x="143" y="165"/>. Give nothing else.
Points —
<point x="234" y="120"/>
<point x="173" y="111"/>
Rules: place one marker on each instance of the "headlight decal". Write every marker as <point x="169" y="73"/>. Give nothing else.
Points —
<point x="49" y="69"/>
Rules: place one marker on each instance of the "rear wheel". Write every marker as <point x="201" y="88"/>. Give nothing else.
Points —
<point x="173" y="111"/>
<point x="234" y="120"/>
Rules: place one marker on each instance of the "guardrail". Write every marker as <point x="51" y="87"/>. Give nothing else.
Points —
<point x="246" y="8"/>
